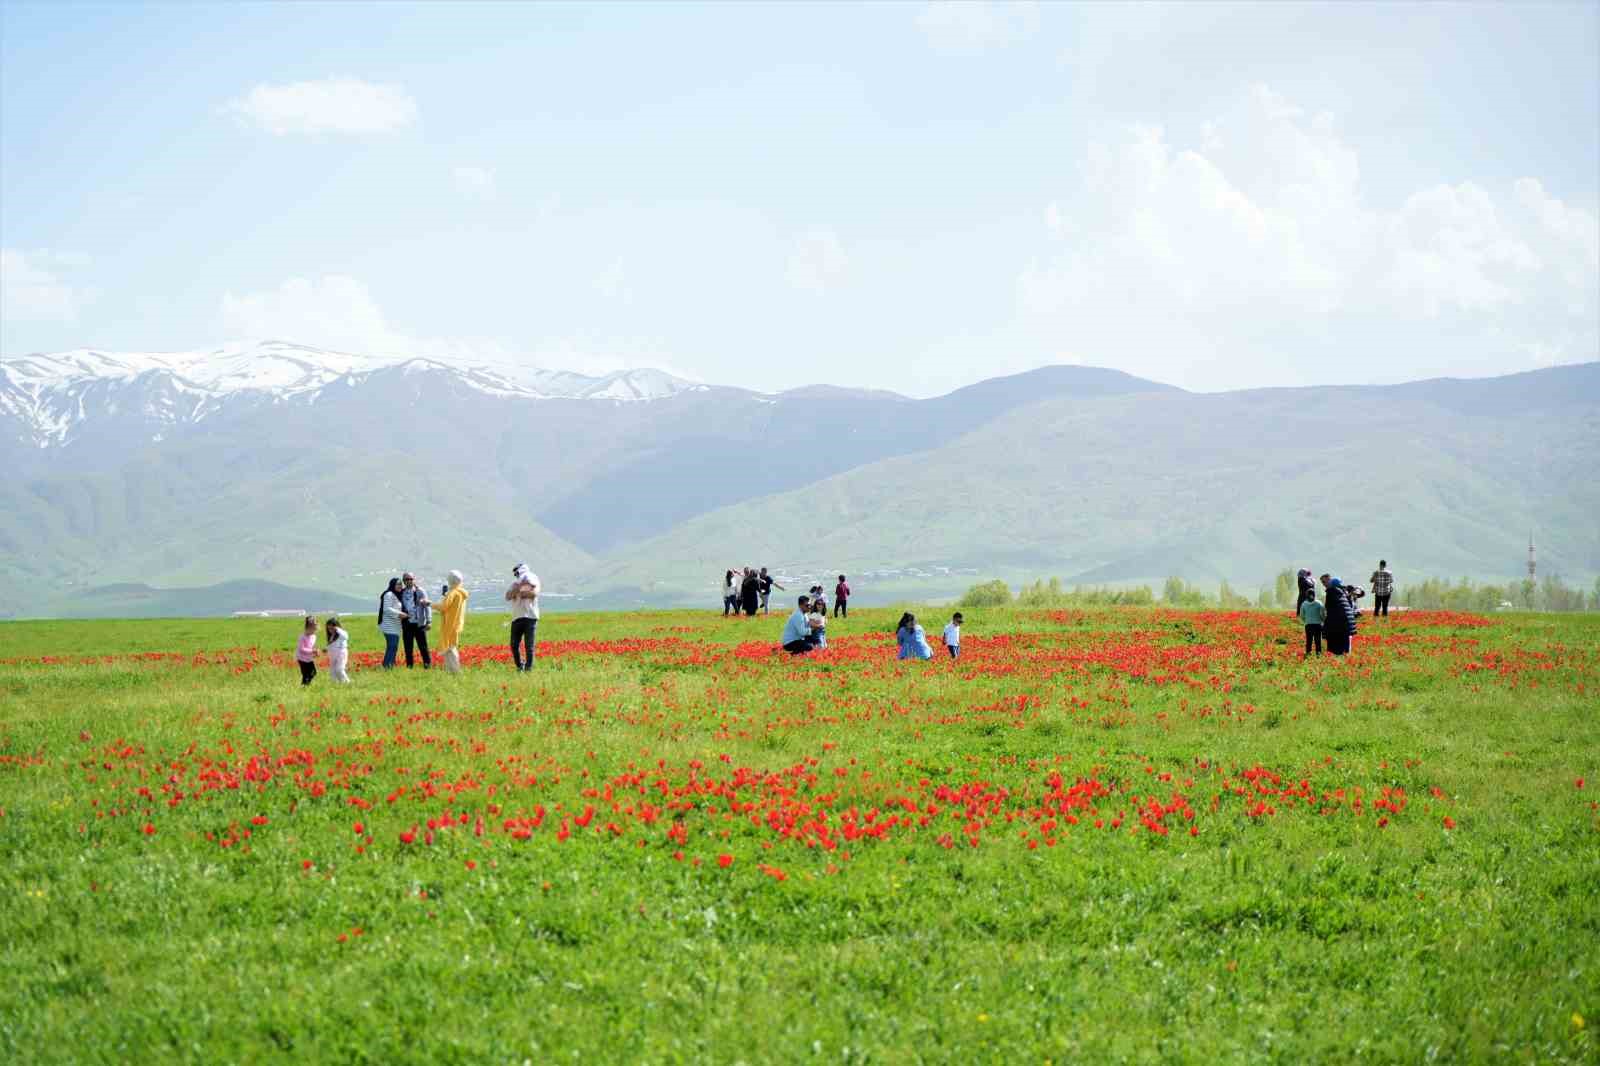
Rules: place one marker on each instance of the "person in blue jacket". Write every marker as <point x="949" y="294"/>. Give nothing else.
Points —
<point x="913" y="642"/>
<point x="799" y="638"/>
<point x="1340" y="624"/>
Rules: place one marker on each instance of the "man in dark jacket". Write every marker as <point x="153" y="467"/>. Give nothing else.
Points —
<point x="1340" y="624"/>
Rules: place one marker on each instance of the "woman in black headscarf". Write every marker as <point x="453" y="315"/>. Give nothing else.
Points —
<point x="390" y="616"/>
<point x="750" y="592"/>
<point x="1308" y="588"/>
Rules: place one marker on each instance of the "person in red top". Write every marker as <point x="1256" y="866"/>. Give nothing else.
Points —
<point x="841" y="598"/>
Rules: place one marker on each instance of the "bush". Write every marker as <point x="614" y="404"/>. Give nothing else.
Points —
<point x="988" y="594"/>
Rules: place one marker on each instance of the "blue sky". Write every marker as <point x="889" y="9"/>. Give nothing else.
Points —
<point x="902" y="196"/>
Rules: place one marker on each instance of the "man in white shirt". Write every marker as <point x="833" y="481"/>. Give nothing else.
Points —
<point x="952" y="636"/>
<point x="523" y="595"/>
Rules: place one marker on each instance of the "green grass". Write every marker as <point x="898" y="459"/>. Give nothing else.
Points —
<point x="1308" y="933"/>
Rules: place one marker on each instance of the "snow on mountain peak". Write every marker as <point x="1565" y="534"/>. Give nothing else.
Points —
<point x="47" y="392"/>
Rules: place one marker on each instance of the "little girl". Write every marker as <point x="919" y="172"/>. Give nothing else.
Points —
<point x="306" y="652"/>
<point x="818" y="621"/>
<point x="338" y="651"/>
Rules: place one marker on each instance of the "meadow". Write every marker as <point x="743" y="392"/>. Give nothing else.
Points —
<point x="1126" y="834"/>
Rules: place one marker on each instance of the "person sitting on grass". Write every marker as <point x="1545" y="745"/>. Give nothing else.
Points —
<point x="798" y="638"/>
<point x="305" y="653"/>
<point x="912" y="641"/>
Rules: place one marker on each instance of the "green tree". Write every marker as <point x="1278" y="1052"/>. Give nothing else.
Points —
<point x="1284" y="589"/>
<point x="987" y="594"/>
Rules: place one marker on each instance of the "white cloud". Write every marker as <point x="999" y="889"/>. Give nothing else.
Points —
<point x="333" y="105"/>
<point x="970" y="26"/>
<point x="334" y="311"/>
<point x="32" y="290"/>
<point x="340" y="313"/>
<point x="818" y="261"/>
<point x="1447" y="248"/>
<point x="477" y="182"/>
<point x="1575" y="233"/>
<point x="1223" y="264"/>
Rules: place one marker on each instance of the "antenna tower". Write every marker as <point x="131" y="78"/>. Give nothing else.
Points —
<point x="1531" y="560"/>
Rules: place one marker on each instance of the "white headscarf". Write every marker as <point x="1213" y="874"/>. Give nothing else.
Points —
<point x="455" y="578"/>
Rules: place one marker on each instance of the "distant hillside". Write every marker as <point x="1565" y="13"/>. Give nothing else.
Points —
<point x="126" y="600"/>
<point x="1230" y="486"/>
<point x="318" y="470"/>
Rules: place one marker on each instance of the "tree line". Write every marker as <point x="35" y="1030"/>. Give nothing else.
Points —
<point x="1547" y="594"/>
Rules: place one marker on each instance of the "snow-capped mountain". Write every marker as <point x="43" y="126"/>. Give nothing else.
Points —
<point x="51" y="397"/>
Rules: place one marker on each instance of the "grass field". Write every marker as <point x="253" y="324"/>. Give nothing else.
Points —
<point x="1116" y="835"/>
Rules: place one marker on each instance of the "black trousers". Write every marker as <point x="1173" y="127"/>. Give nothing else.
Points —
<point x="1380" y="606"/>
<point x="410" y="634"/>
<point x="307" y="671"/>
<point x="841" y="608"/>
<point x="800" y="647"/>
<point x="523" y="631"/>
<point x="1313" y="637"/>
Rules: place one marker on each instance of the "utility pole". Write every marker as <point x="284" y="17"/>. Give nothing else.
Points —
<point x="1531" y="560"/>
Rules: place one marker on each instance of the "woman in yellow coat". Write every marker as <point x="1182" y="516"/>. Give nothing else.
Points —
<point x="451" y="615"/>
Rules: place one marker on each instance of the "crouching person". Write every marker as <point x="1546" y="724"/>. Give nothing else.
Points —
<point x="798" y="636"/>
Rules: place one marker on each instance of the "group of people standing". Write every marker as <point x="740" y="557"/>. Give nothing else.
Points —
<point x="405" y="614"/>
<point x="1333" y="622"/>
<point x="745" y="590"/>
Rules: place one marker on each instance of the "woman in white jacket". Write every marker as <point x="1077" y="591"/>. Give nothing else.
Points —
<point x="390" y="615"/>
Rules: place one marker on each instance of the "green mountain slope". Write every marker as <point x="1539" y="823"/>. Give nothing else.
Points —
<point x="1212" y="487"/>
<point x="135" y="600"/>
<point x="331" y="517"/>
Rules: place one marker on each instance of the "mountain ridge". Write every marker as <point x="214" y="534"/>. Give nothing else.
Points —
<point x="1083" y="472"/>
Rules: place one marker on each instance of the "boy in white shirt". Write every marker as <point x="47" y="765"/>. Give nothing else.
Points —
<point x="952" y="636"/>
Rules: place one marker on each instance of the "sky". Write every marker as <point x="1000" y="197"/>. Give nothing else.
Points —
<point x="902" y="196"/>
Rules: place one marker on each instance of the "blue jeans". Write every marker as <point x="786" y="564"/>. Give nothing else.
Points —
<point x="391" y="645"/>
<point x="523" y="631"/>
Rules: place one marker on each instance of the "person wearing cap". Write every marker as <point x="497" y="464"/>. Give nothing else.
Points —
<point x="419" y="616"/>
<point x="523" y="595"/>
